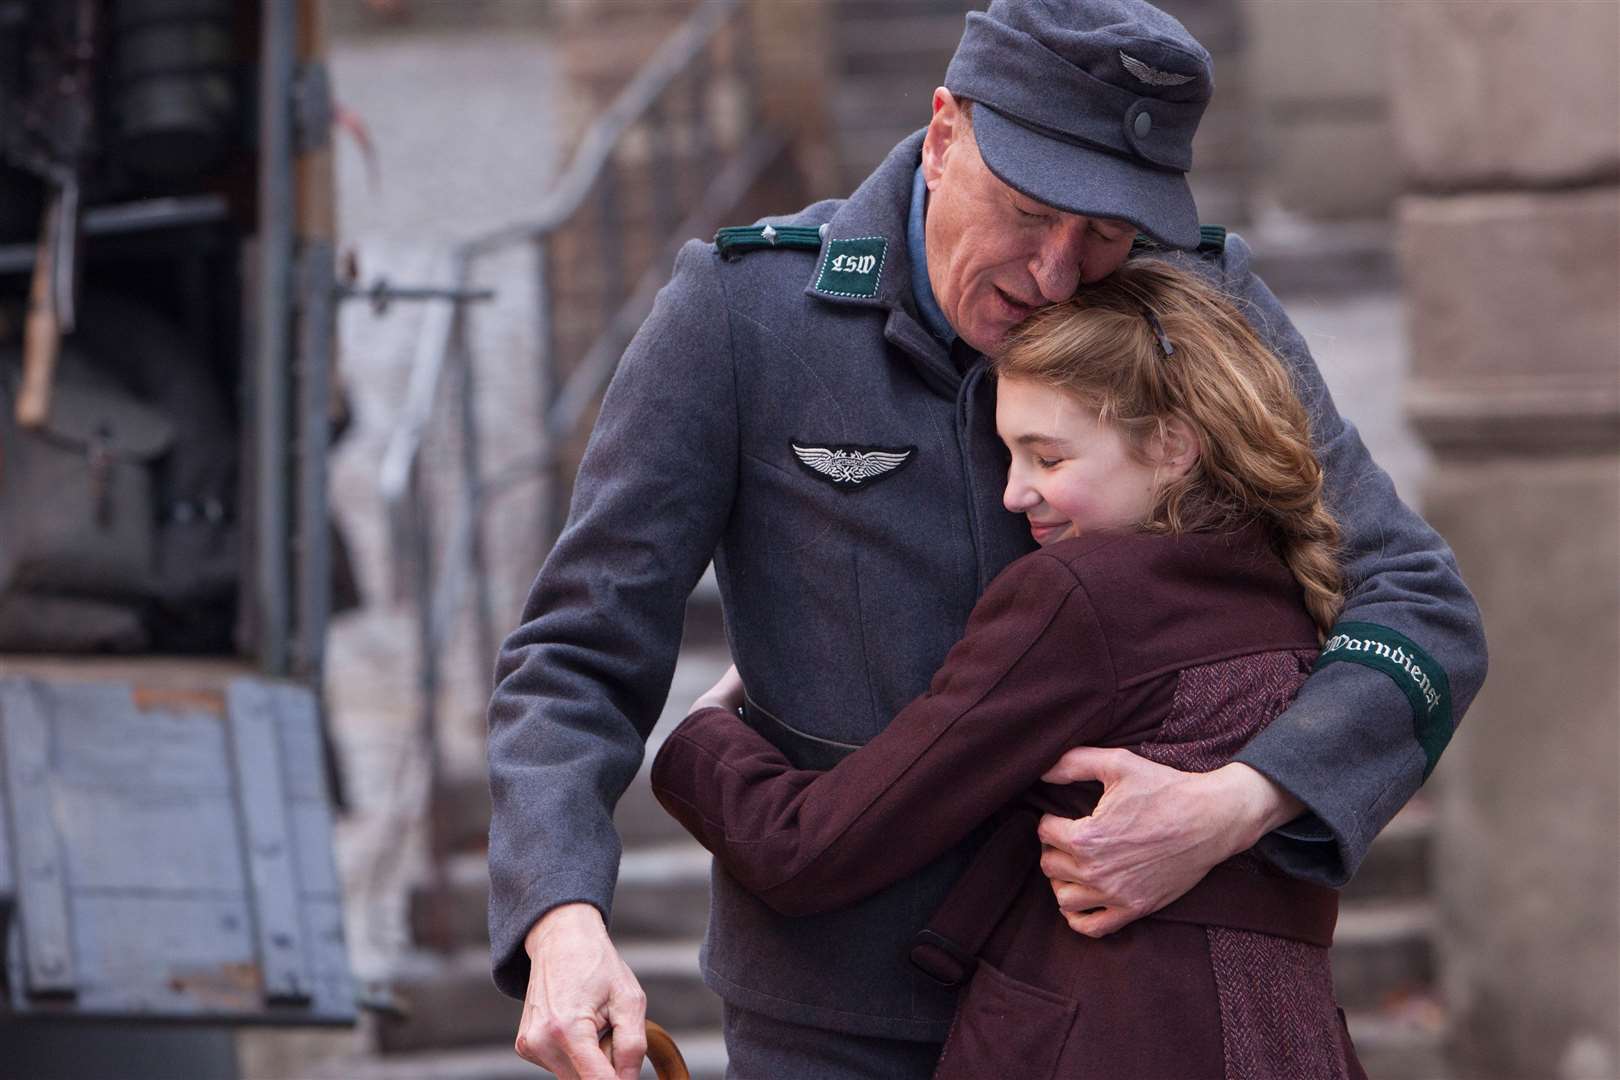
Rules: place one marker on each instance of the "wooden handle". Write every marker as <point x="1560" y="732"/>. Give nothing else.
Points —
<point x="661" y="1051"/>
<point x="42" y="336"/>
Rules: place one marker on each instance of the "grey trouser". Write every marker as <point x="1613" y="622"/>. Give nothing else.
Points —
<point x="762" y="1048"/>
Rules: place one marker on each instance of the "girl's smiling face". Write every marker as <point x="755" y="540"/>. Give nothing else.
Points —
<point x="1072" y="474"/>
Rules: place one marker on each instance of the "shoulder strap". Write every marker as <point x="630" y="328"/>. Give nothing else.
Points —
<point x="1211" y="242"/>
<point x="736" y="240"/>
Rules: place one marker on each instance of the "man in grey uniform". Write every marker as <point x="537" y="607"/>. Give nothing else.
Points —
<point x="808" y="404"/>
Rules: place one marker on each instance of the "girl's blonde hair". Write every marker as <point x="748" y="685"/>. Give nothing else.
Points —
<point x="1255" y="462"/>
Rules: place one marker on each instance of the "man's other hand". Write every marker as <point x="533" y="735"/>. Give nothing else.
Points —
<point x="578" y="987"/>
<point x="1155" y="833"/>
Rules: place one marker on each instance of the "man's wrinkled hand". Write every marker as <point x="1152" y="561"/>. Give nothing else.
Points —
<point x="1155" y="833"/>
<point x="579" y="987"/>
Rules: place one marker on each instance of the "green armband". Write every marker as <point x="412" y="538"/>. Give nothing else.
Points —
<point x="1417" y="674"/>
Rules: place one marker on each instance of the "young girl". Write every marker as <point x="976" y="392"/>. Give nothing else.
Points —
<point x="1186" y="570"/>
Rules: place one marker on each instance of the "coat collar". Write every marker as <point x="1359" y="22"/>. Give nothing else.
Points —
<point x="877" y="210"/>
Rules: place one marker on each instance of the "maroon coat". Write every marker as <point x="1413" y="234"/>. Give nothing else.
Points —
<point x="1180" y="648"/>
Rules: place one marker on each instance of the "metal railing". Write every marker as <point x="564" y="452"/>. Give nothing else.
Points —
<point x="689" y="114"/>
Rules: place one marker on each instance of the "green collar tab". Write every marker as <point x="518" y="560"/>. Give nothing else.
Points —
<point x="852" y="267"/>
<point x="1211" y="242"/>
<point x="736" y="240"/>
<point x="1419" y="676"/>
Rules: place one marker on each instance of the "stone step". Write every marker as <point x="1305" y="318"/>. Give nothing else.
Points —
<point x="860" y="10"/>
<point x="663" y="892"/>
<point x="1397" y="867"/>
<point x="640" y="820"/>
<point x="917" y="46"/>
<point x="704" y="1052"/>
<point x="353" y="19"/>
<point x="907" y="102"/>
<point x="1390" y="1047"/>
<point x="1383" y="952"/>
<point x="460" y="809"/>
<point x="1401" y="1044"/>
<point x="860" y="149"/>
<point x="663" y="888"/>
<point x="453" y="1003"/>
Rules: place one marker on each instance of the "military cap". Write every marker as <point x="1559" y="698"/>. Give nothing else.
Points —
<point x="1088" y="106"/>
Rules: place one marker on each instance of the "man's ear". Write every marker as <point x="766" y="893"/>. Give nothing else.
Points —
<point x="1177" y="451"/>
<point x="946" y="128"/>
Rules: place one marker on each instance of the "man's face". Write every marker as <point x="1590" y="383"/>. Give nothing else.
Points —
<point x="994" y="254"/>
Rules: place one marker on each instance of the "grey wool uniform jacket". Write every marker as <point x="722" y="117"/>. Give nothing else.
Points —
<point x="841" y="599"/>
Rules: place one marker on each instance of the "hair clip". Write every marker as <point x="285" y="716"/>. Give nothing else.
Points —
<point x="1168" y="349"/>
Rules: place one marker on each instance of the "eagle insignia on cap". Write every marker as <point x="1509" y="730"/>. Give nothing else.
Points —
<point x="851" y="465"/>
<point x="1152" y="75"/>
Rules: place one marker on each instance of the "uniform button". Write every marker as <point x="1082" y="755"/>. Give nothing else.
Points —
<point x="1144" y="124"/>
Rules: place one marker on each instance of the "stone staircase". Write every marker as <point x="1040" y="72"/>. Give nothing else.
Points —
<point x="1384" y="964"/>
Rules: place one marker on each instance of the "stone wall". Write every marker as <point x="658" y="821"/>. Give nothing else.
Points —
<point x="1509" y="137"/>
<point x="1319" y="116"/>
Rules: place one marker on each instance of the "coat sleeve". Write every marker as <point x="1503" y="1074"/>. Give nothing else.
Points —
<point x="1351" y="747"/>
<point x="1030" y="677"/>
<point x="581" y="681"/>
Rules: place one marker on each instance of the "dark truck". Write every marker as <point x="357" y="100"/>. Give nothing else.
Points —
<point x="167" y="405"/>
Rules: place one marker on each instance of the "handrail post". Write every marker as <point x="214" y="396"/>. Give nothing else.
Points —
<point x="428" y="683"/>
<point x="610" y="234"/>
<point x="549" y="385"/>
<point x="314" y="578"/>
<point x="661" y="175"/>
<point x="746" y="64"/>
<point x="273" y="317"/>
<point x="427" y="716"/>
<point x="698" y="101"/>
<point x="472" y="488"/>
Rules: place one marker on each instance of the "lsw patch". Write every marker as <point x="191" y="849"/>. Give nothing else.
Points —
<point x="851" y="467"/>
<point x="852" y="267"/>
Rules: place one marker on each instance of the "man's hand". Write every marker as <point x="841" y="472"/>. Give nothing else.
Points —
<point x="1154" y="835"/>
<point x="578" y="986"/>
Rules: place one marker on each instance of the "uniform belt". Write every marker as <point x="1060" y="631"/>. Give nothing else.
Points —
<point x="948" y="949"/>
<point x="804" y="750"/>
